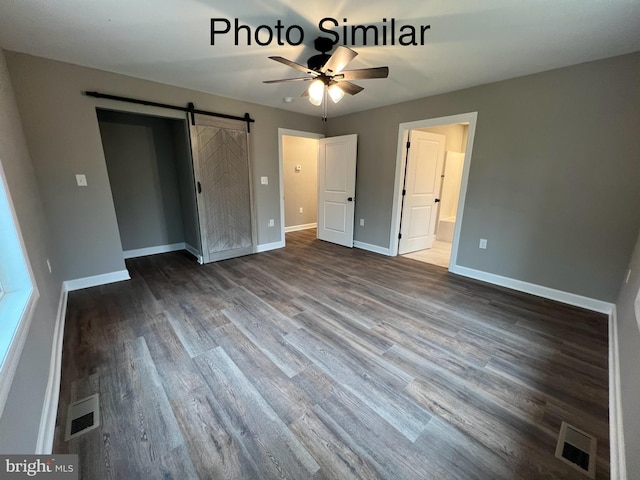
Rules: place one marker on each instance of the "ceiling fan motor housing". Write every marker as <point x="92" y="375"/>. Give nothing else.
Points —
<point x="323" y="45"/>
<point x="316" y="62"/>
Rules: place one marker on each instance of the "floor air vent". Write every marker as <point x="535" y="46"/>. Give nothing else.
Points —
<point x="82" y="416"/>
<point x="577" y="449"/>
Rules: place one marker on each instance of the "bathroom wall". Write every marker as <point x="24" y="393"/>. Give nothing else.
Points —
<point x="454" y="162"/>
<point x="300" y="187"/>
<point x="456" y="136"/>
<point x="456" y="143"/>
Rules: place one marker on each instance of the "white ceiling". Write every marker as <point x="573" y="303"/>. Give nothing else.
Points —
<point x="471" y="42"/>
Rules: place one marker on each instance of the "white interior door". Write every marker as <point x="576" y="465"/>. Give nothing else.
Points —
<point x="425" y="159"/>
<point x="336" y="188"/>
<point x="225" y="197"/>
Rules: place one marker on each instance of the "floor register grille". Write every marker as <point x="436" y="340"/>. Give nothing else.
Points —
<point x="578" y="449"/>
<point x="83" y="416"/>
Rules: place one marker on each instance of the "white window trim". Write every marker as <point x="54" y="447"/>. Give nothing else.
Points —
<point x="24" y="300"/>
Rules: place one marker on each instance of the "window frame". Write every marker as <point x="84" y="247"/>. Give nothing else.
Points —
<point x="19" y="291"/>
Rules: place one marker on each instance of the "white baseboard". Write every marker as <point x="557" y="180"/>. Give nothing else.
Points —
<point x="297" y="228"/>
<point x="194" y="251"/>
<point x="616" y="436"/>
<point x="52" y="394"/>
<point x="95" y="280"/>
<point x="265" y="247"/>
<point x="143" y="252"/>
<point x="372" y="248"/>
<point x="538" y="290"/>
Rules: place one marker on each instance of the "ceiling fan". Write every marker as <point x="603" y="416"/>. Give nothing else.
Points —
<point x="326" y="74"/>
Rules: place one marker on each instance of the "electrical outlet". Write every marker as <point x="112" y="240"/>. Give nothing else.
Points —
<point x="271" y="222"/>
<point x="264" y="180"/>
<point x="362" y="222"/>
<point x="301" y="210"/>
<point x="483" y="243"/>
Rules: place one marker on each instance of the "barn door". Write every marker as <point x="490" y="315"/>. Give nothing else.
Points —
<point x="223" y="182"/>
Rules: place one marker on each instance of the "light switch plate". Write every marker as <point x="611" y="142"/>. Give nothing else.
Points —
<point x="483" y="243"/>
<point x="81" y="180"/>
<point x="264" y="180"/>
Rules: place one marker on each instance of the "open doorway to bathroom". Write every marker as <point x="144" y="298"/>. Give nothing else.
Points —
<point x="441" y="170"/>
<point x="431" y="177"/>
<point x="298" y="179"/>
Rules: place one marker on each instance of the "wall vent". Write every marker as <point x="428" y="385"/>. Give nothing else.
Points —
<point x="577" y="449"/>
<point x="82" y="416"/>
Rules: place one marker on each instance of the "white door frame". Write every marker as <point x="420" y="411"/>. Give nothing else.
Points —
<point x="292" y="133"/>
<point x="401" y="160"/>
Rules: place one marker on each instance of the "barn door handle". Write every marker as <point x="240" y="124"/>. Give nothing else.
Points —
<point x="199" y="187"/>
<point x="350" y="199"/>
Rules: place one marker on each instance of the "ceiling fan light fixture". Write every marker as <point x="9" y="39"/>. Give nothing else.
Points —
<point x="316" y="92"/>
<point x="336" y="93"/>
<point x="327" y="75"/>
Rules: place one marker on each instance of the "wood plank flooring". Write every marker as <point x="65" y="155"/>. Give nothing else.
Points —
<point x="322" y="362"/>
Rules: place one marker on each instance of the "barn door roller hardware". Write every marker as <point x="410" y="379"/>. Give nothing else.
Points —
<point x="189" y="109"/>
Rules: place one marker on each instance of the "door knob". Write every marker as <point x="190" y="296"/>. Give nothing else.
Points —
<point x="437" y="200"/>
<point x="350" y="199"/>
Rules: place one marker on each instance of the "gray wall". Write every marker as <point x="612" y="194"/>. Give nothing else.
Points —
<point x="64" y="139"/>
<point x="20" y="420"/>
<point x="554" y="174"/>
<point x="140" y="155"/>
<point x="300" y="188"/>
<point x="629" y="352"/>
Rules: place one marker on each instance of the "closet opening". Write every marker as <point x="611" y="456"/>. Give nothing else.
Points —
<point x="150" y="170"/>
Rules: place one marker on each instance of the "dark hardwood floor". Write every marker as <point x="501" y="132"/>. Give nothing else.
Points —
<point x="318" y="361"/>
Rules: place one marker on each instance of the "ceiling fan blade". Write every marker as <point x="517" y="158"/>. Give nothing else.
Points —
<point x="299" y="79"/>
<point x="363" y="74"/>
<point x="350" y="88"/>
<point x="340" y="58"/>
<point x="295" y="65"/>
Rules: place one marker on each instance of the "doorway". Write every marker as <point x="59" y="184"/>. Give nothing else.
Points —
<point x="298" y="180"/>
<point x="429" y="199"/>
<point x="333" y="185"/>
<point x="152" y="184"/>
